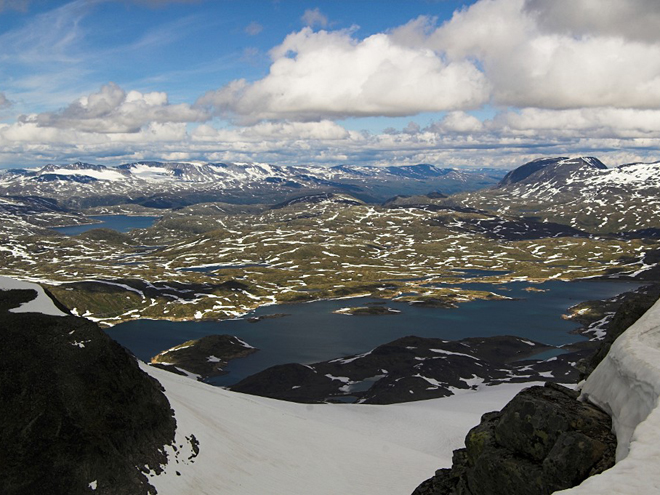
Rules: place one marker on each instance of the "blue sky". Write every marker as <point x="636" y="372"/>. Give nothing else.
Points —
<point x="455" y="83"/>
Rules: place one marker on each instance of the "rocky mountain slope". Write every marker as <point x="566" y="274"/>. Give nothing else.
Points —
<point x="76" y="413"/>
<point x="578" y="192"/>
<point x="175" y="184"/>
<point x="412" y="368"/>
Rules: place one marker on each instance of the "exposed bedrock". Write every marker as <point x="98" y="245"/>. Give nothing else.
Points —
<point x="77" y="415"/>
<point x="542" y="441"/>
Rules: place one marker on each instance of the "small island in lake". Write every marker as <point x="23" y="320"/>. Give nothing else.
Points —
<point x="257" y="319"/>
<point x="203" y="358"/>
<point x="374" y="310"/>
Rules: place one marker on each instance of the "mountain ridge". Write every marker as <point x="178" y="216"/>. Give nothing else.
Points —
<point x="167" y="184"/>
<point x="578" y="192"/>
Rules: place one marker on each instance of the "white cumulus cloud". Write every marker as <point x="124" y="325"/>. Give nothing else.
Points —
<point x="533" y="56"/>
<point x="113" y="110"/>
<point x="458" y="122"/>
<point x="317" y="75"/>
<point x="585" y="123"/>
<point x="629" y="19"/>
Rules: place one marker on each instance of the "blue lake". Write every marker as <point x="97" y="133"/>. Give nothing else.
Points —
<point x="212" y="268"/>
<point x="120" y="223"/>
<point x="312" y="332"/>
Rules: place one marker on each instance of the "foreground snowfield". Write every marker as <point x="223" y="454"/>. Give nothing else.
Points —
<point x="253" y="445"/>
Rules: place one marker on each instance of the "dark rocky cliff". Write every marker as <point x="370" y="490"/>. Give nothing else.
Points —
<point x="76" y="412"/>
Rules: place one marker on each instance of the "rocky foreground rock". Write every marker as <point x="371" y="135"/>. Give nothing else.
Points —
<point x="77" y="415"/>
<point x="544" y="440"/>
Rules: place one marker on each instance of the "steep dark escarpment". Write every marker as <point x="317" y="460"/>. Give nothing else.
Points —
<point x="632" y="309"/>
<point x="544" y="440"/>
<point x="76" y="412"/>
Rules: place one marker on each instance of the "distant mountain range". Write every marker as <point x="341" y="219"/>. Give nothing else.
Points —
<point x="167" y="185"/>
<point x="580" y="193"/>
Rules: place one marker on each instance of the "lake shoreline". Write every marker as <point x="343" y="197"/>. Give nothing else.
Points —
<point x="312" y="333"/>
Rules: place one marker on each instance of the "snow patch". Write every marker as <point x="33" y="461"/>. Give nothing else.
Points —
<point x="105" y="174"/>
<point x="250" y="444"/>
<point x="40" y="304"/>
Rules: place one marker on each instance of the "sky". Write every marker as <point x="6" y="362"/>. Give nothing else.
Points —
<point x="481" y="83"/>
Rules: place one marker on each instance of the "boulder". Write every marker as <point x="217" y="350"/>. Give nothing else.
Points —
<point x="542" y="441"/>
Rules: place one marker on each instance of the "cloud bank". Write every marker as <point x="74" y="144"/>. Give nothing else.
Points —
<point x="563" y="54"/>
<point x="113" y="110"/>
<point x="505" y="81"/>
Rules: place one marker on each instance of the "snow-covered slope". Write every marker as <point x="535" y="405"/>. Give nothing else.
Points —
<point x="40" y="304"/>
<point x="627" y="385"/>
<point x="254" y="445"/>
<point x="84" y="184"/>
<point x="580" y="192"/>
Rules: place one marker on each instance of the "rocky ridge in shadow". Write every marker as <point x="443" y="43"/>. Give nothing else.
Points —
<point x="77" y="415"/>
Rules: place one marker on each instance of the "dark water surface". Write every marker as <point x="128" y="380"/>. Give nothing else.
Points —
<point x="312" y="332"/>
<point x="212" y="268"/>
<point x="120" y="223"/>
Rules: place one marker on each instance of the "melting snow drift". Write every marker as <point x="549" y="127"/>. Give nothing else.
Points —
<point x="40" y="304"/>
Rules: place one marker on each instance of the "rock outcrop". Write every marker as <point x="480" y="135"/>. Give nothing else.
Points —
<point x="203" y="358"/>
<point x="542" y="441"/>
<point x="634" y="306"/>
<point x="77" y="415"/>
<point x="412" y="368"/>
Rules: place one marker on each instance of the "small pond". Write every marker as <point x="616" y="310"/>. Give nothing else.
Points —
<point x="120" y="223"/>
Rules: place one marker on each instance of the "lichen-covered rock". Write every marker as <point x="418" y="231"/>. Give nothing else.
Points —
<point x="542" y="441"/>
